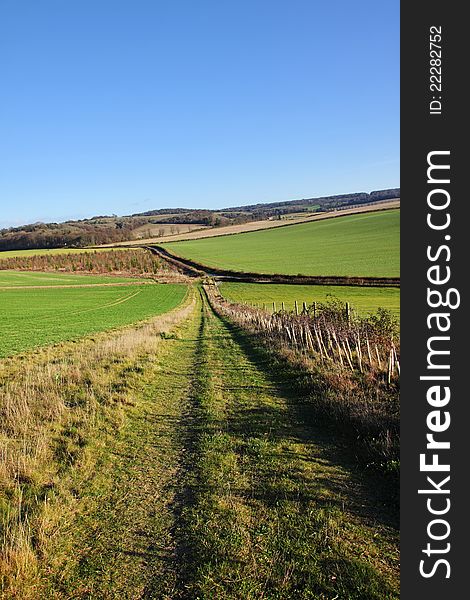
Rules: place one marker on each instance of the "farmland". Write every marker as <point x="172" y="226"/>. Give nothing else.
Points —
<point x="164" y="230"/>
<point x="32" y="279"/>
<point x="362" y="299"/>
<point x="176" y="222"/>
<point x="363" y="245"/>
<point x="182" y="465"/>
<point x="200" y="351"/>
<point x="159" y="441"/>
<point x="44" y="315"/>
<point x="256" y="225"/>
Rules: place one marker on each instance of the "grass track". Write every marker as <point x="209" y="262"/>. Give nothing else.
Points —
<point x="364" y="245"/>
<point x="363" y="299"/>
<point x="42" y="316"/>
<point x="218" y="486"/>
<point x="275" y="491"/>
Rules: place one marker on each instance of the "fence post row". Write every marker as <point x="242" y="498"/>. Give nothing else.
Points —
<point x="348" y="346"/>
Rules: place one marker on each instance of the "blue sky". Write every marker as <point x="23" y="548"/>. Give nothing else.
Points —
<point x="121" y="106"/>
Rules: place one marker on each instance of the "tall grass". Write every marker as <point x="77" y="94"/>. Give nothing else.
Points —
<point x="51" y="402"/>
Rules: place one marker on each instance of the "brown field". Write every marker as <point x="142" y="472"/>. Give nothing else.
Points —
<point x="149" y="233"/>
<point x="168" y="229"/>
<point x="204" y="232"/>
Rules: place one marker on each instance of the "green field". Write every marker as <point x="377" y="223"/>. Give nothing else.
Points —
<point x="29" y="278"/>
<point x="363" y="299"/>
<point x="42" y="316"/>
<point x="52" y="251"/>
<point x="364" y="244"/>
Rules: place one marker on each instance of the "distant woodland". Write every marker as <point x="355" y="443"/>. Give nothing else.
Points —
<point x="110" y="229"/>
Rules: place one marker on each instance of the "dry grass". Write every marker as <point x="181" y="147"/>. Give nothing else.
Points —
<point x="50" y="402"/>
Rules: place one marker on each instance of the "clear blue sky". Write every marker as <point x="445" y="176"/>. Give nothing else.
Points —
<point x="120" y="106"/>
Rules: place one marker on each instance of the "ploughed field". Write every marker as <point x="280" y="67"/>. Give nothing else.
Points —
<point x="56" y="307"/>
<point x="362" y="245"/>
<point x="364" y="300"/>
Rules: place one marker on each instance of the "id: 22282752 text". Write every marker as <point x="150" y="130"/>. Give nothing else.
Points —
<point x="435" y="69"/>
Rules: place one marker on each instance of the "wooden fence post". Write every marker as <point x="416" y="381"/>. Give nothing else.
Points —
<point x="348" y="312"/>
<point x="378" y="357"/>
<point x="296" y="307"/>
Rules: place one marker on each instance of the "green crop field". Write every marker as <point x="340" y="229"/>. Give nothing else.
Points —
<point x="364" y="244"/>
<point x="29" y="278"/>
<point x="364" y="300"/>
<point x="41" y="316"/>
<point x="52" y="251"/>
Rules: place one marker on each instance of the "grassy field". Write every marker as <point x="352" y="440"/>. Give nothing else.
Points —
<point x="355" y="245"/>
<point x="26" y="278"/>
<point x="184" y="465"/>
<point x="45" y="252"/>
<point x="363" y="299"/>
<point x="41" y="316"/>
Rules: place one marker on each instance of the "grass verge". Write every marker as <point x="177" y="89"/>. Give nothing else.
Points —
<point x="59" y="409"/>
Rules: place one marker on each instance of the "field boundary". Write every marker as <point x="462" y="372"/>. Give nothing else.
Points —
<point x="380" y="206"/>
<point x="197" y="269"/>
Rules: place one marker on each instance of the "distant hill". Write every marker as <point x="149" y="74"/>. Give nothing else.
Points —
<point x="111" y="229"/>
